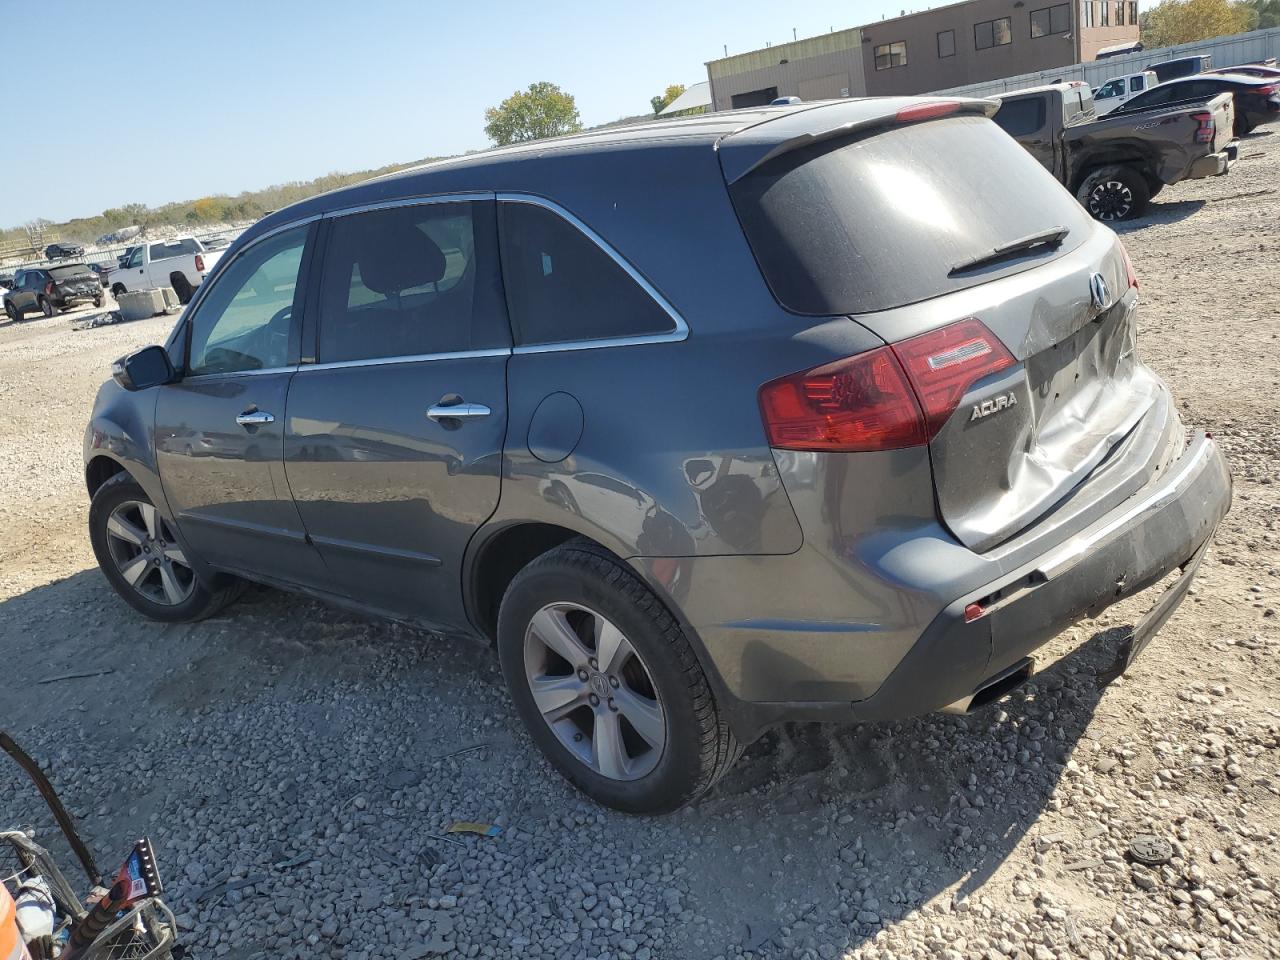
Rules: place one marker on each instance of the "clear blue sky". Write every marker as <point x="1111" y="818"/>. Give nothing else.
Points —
<point x="231" y="95"/>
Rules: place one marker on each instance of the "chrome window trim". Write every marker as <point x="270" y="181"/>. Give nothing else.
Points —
<point x="408" y="202"/>
<point x="205" y="377"/>
<point x="681" y="331"/>
<point x="413" y="358"/>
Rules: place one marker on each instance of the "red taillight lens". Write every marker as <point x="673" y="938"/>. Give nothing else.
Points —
<point x="200" y="263"/>
<point x="1268" y="89"/>
<point x="1204" y="133"/>
<point x="1129" y="273"/>
<point x="927" y="111"/>
<point x="944" y="363"/>
<point x="885" y="399"/>
<point x="862" y="403"/>
<point x="48" y="288"/>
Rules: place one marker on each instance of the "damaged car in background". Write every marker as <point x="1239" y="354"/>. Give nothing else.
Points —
<point x="860" y="437"/>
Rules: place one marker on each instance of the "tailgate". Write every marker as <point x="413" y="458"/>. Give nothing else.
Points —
<point x="1223" y="108"/>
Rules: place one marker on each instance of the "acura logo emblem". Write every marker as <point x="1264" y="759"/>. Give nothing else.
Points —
<point x="1098" y="290"/>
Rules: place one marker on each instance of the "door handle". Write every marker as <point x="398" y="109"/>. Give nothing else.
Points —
<point x="254" y="418"/>
<point x="457" y="411"/>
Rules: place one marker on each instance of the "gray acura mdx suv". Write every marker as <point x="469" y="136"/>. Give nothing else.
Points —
<point x="824" y="411"/>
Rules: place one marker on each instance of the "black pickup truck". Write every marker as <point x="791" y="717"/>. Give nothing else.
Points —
<point x="1115" y="165"/>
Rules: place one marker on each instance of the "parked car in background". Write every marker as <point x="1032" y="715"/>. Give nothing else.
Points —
<point x="181" y="263"/>
<point x="1115" y="164"/>
<point x="1257" y="99"/>
<point x="49" y="289"/>
<point x="102" y="271"/>
<point x="1249" y="70"/>
<point x="1167" y="70"/>
<point x="6" y="280"/>
<point x="937" y="445"/>
<point x="1118" y="90"/>
<point x="63" y="251"/>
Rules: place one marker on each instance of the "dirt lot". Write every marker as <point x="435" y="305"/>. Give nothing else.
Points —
<point x="295" y="764"/>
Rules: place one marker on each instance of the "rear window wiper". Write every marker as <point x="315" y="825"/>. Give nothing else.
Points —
<point x="1045" y="238"/>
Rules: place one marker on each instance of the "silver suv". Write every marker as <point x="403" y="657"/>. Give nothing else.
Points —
<point x="820" y="411"/>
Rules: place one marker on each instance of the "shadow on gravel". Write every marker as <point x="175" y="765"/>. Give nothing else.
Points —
<point x="1159" y="213"/>
<point x="863" y="824"/>
<point x="821" y="835"/>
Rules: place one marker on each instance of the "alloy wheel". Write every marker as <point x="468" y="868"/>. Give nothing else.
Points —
<point x="147" y="554"/>
<point x="1110" y="200"/>
<point x="594" y="691"/>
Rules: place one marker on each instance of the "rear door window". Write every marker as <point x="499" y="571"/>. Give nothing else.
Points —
<point x="1021" y="118"/>
<point x="412" y="281"/>
<point x="879" y="220"/>
<point x="563" y="287"/>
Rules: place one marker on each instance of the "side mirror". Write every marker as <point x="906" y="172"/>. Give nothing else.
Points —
<point x="148" y="367"/>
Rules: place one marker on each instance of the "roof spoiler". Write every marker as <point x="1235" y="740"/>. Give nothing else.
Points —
<point x="750" y="148"/>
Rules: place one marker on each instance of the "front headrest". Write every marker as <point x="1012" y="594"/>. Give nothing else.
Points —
<point x="398" y="256"/>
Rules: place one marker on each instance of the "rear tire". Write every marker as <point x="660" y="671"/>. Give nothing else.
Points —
<point x="1114" y="193"/>
<point x="653" y="675"/>
<point x="182" y="287"/>
<point x="97" y="301"/>
<point x="46" y="307"/>
<point x="117" y="290"/>
<point x="158" y="583"/>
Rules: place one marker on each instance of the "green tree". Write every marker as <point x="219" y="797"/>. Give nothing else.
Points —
<point x="1185" y="21"/>
<point x="544" y="110"/>
<point x="664" y="99"/>
<point x="1268" y="12"/>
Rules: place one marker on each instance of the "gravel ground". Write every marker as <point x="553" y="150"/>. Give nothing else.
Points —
<point x="297" y="765"/>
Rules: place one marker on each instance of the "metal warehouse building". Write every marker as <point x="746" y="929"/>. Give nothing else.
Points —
<point x="935" y="49"/>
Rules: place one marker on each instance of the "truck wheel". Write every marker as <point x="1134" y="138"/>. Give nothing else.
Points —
<point x="46" y="307"/>
<point x="1114" y="193"/>
<point x="1243" y="127"/>
<point x="608" y="684"/>
<point x="182" y="287"/>
<point x="117" y="290"/>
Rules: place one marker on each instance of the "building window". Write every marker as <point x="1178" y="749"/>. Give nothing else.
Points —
<point x="1133" y="12"/>
<point x="1105" y="19"/>
<point x="1051" y="20"/>
<point x="1120" y="13"/>
<point x="992" y="33"/>
<point x="946" y="44"/>
<point x="890" y="55"/>
<point x="1086" y="13"/>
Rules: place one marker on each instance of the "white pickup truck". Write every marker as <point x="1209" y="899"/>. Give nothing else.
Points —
<point x="181" y="263"/>
<point x="1119" y="89"/>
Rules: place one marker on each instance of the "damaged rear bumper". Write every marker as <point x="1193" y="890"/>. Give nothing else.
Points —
<point x="1165" y="527"/>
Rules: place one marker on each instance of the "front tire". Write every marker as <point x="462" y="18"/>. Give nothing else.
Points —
<point x="1114" y="193"/>
<point x="13" y="312"/>
<point x="142" y="559"/>
<point x="97" y="301"/>
<point x="608" y="684"/>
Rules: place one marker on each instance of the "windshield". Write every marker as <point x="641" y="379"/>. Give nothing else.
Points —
<point x="879" y="221"/>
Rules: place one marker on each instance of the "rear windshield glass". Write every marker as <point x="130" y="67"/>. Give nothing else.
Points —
<point x="174" y="248"/>
<point x="69" y="270"/>
<point x="853" y="226"/>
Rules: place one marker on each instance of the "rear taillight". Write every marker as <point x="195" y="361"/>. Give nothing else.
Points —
<point x="944" y="363"/>
<point x="1268" y="89"/>
<point x="885" y="399"/>
<point x="1130" y="274"/>
<point x="200" y="263"/>
<point x="1207" y="128"/>
<point x="48" y="288"/>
